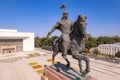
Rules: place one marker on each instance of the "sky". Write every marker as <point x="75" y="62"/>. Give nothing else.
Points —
<point x="39" y="16"/>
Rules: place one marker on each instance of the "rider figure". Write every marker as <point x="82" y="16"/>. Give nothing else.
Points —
<point x="64" y="25"/>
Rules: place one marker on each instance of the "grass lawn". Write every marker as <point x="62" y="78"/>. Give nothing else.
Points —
<point x="40" y="71"/>
<point x="33" y="63"/>
<point x="49" y="60"/>
<point x="37" y="66"/>
<point x="34" y="55"/>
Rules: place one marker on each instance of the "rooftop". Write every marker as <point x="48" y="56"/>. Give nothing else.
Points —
<point x="111" y="45"/>
<point x="8" y="30"/>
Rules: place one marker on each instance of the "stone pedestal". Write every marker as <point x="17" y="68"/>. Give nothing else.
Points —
<point x="61" y="72"/>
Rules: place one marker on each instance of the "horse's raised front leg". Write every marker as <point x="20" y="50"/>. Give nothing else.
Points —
<point x="86" y="59"/>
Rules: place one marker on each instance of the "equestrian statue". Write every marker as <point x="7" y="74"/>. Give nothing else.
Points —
<point x="71" y="40"/>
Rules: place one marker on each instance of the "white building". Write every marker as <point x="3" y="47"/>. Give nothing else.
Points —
<point x="109" y="49"/>
<point x="13" y="41"/>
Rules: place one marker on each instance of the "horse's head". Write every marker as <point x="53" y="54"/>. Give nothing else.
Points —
<point x="82" y="25"/>
<point x="82" y="18"/>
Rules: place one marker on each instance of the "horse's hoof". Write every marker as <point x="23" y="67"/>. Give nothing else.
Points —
<point x="68" y="65"/>
<point x="83" y="73"/>
<point x="58" y="70"/>
<point x="87" y="70"/>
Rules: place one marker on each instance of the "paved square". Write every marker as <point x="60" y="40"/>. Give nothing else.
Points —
<point x="20" y="67"/>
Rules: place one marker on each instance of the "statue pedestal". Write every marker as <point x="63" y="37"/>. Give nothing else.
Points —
<point x="61" y="72"/>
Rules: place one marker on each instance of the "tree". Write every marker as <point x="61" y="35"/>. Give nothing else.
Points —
<point x="37" y="42"/>
<point x="118" y="56"/>
<point x="42" y="41"/>
<point x="51" y="39"/>
<point x="90" y="42"/>
<point x="116" y="39"/>
<point x="87" y="51"/>
<point x="48" y="41"/>
<point x="96" y="51"/>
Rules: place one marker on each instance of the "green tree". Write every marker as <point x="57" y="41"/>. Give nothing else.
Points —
<point x="118" y="54"/>
<point x="42" y="41"/>
<point x="51" y="39"/>
<point x="116" y="39"/>
<point x="48" y="41"/>
<point x="37" y="42"/>
<point x="90" y="42"/>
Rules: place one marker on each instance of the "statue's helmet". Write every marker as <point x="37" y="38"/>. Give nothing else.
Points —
<point x="65" y="13"/>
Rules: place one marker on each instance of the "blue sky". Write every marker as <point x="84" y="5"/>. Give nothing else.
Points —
<point x="39" y="16"/>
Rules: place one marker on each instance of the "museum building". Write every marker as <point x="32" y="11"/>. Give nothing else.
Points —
<point x="12" y="41"/>
<point x="109" y="49"/>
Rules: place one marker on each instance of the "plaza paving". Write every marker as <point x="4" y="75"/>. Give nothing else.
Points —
<point x="21" y="67"/>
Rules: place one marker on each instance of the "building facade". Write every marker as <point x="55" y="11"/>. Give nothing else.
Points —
<point x="12" y="41"/>
<point x="109" y="49"/>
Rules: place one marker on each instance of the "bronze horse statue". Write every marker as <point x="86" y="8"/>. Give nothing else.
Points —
<point x="76" y="48"/>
